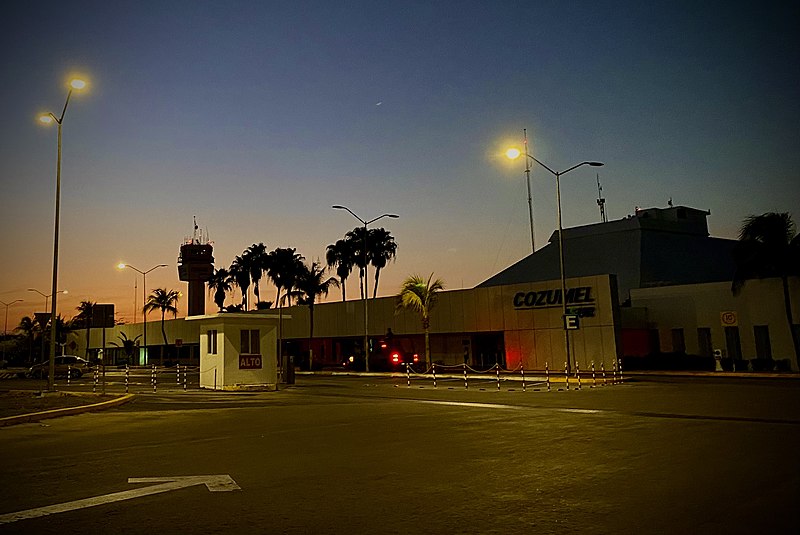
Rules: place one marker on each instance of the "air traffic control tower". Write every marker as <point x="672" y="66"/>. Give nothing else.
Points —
<point x="195" y="266"/>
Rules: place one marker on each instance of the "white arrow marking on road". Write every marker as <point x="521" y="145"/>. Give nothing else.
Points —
<point x="214" y="483"/>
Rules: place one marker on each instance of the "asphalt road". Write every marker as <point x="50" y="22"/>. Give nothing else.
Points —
<point x="370" y="455"/>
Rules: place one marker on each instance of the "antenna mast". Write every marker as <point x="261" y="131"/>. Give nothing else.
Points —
<point x="601" y="202"/>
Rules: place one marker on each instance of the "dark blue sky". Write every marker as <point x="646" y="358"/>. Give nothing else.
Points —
<point x="257" y="116"/>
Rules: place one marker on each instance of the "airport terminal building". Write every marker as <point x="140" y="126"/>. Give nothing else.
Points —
<point x="652" y="283"/>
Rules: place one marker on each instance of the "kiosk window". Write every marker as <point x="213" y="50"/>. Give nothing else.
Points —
<point x="250" y="342"/>
<point x="212" y="342"/>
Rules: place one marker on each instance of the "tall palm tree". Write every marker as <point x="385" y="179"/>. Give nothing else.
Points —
<point x="360" y="258"/>
<point x="84" y="318"/>
<point x="241" y="276"/>
<point x="255" y="258"/>
<point x="165" y="301"/>
<point x="382" y="248"/>
<point x="284" y="265"/>
<point x="220" y="284"/>
<point x="769" y="247"/>
<point x="420" y="296"/>
<point x="310" y="284"/>
<point x="339" y="256"/>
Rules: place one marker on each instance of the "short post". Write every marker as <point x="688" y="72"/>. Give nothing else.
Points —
<point x="566" y="373"/>
<point x="408" y="375"/>
<point x="127" y="373"/>
<point x="155" y="379"/>
<point x="497" y="369"/>
<point x="614" y="380"/>
<point x="547" y="375"/>
<point x="69" y="374"/>
<point x="522" y="371"/>
<point x="466" y="384"/>
<point x="620" y="371"/>
<point x="184" y="378"/>
<point x="603" y="371"/>
<point x="178" y="375"/>
<point x="433" y="367"/>
<point x="95" y="377"/>
<point x="578" y="373"/>
<point x="594" y="377"/>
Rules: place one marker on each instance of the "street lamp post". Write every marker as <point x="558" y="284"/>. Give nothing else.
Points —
<point x="122" y="265"/>
<point x="48" y="118"/>
<point x="515" y="153"/>
<point x="5" y="327"/>
<point x="366" y="286"/>
<point x="46" y="296"/>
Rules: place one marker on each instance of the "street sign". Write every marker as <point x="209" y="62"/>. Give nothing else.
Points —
<point x="571" y="322"/>
<point x="729" y="319"/>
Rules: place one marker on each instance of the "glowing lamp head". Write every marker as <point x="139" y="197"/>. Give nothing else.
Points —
<point x="513" y="154"/>
<point x="77" y="83"/>
<point x="46" y="118"/>
<point x="121" y="265"/>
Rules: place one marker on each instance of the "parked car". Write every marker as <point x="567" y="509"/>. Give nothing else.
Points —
<point x="65" y="364"/>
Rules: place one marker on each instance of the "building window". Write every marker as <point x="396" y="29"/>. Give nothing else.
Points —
<point x="704" y="342"/>
<point x="763" y="346"/>
<point x="250" y="342"/>
<point x="211" y="336"/>
<point x="733" y="342"/>
<point x="678" y="342"/>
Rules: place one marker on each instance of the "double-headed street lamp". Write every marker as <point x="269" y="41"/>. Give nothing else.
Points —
<point x="74" y="84"/>
<point x="46" y="296"/>
<point x="515" y="153"/>
<point x="366" y="286"/>
<point x="122" y="265"/>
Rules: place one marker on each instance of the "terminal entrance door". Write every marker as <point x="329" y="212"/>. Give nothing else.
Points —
<point x="487" y="350"/>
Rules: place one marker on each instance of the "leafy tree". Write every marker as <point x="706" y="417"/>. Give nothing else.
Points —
<point x="220" y="284"/>
<point x="240" y="273"/>
<point x="339" y="256"/>
<point x="128" y="345"/>
<point x="165" y="301"/>
<point x="84" y="318"/>
<point x="310" y="284"/>
<point x="420" y="296"/>
<point x="769" y="247"/>
<point x="382" y="248"/>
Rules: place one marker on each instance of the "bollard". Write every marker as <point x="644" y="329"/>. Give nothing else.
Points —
<point x="184" y="378"/>
<point x="547" y="375"/>
<point x="433" y="367"/>
<point x="466" y="384"/>
<point x="522" y="371"/>
<point x="594" y="377"/>
<point x="94" y="382"/>
<point x="127" y="373"/>
<point x="497" y="369"/>
<point x="408" y="375"/>
<point x="155" y="379"/>
<point x="69" y="374"/>
<point x="620" y="371"/>
<point x="614" y="379"/>
<point x="566" y="374"/>
<point x="603" y="371"/>
<point x="578" y="374"/>
<point x="178" y="375"/>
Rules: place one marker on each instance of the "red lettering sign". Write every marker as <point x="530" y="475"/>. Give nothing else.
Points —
<point x="249" y="362"/>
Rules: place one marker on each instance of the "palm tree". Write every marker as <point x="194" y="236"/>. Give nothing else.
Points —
<point x="165" y="301"/>
<point x="84" y="317"/>
<point x="769" y="247"/>
<point x="28" y="327"/>
<point x="240" y="273"/>
<point x="420" y="295"/>
<point x="128" y="345"/>
<point x="360" y="257"/>
<point x="284" y="265"/>
<point x="382" y="248"/>
<point x="310" y="284"/>
<point x="220" y="284"/>
<point x="255" y="258"/>
<point x="339" y="255"/>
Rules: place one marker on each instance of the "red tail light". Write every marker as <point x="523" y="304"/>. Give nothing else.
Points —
<point x="395" y="357"/>
<point x="416" y="357"/>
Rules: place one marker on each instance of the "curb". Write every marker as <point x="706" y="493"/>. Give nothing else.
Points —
<point x="68" y="411"/>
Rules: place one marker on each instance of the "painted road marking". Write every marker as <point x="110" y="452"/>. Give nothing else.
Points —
<point x="466" y="404"/>
<point x="214" y="483"/>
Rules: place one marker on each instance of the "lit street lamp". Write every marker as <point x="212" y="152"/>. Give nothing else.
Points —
<point x="515" y="153"/>
<point x="48" y="118"/>
<point x="366" y="286"/>
<point x="122" y="265"/>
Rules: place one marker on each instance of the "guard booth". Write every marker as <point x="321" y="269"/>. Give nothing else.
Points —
<point x="238" y="351"/>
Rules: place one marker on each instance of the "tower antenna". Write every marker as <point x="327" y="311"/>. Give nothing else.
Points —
<point x="601" y="202"/>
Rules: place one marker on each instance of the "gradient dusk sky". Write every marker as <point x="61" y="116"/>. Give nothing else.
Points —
<point x="256" y="117"/>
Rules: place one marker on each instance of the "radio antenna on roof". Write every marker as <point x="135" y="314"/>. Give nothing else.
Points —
<point x="601" y="202"/>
